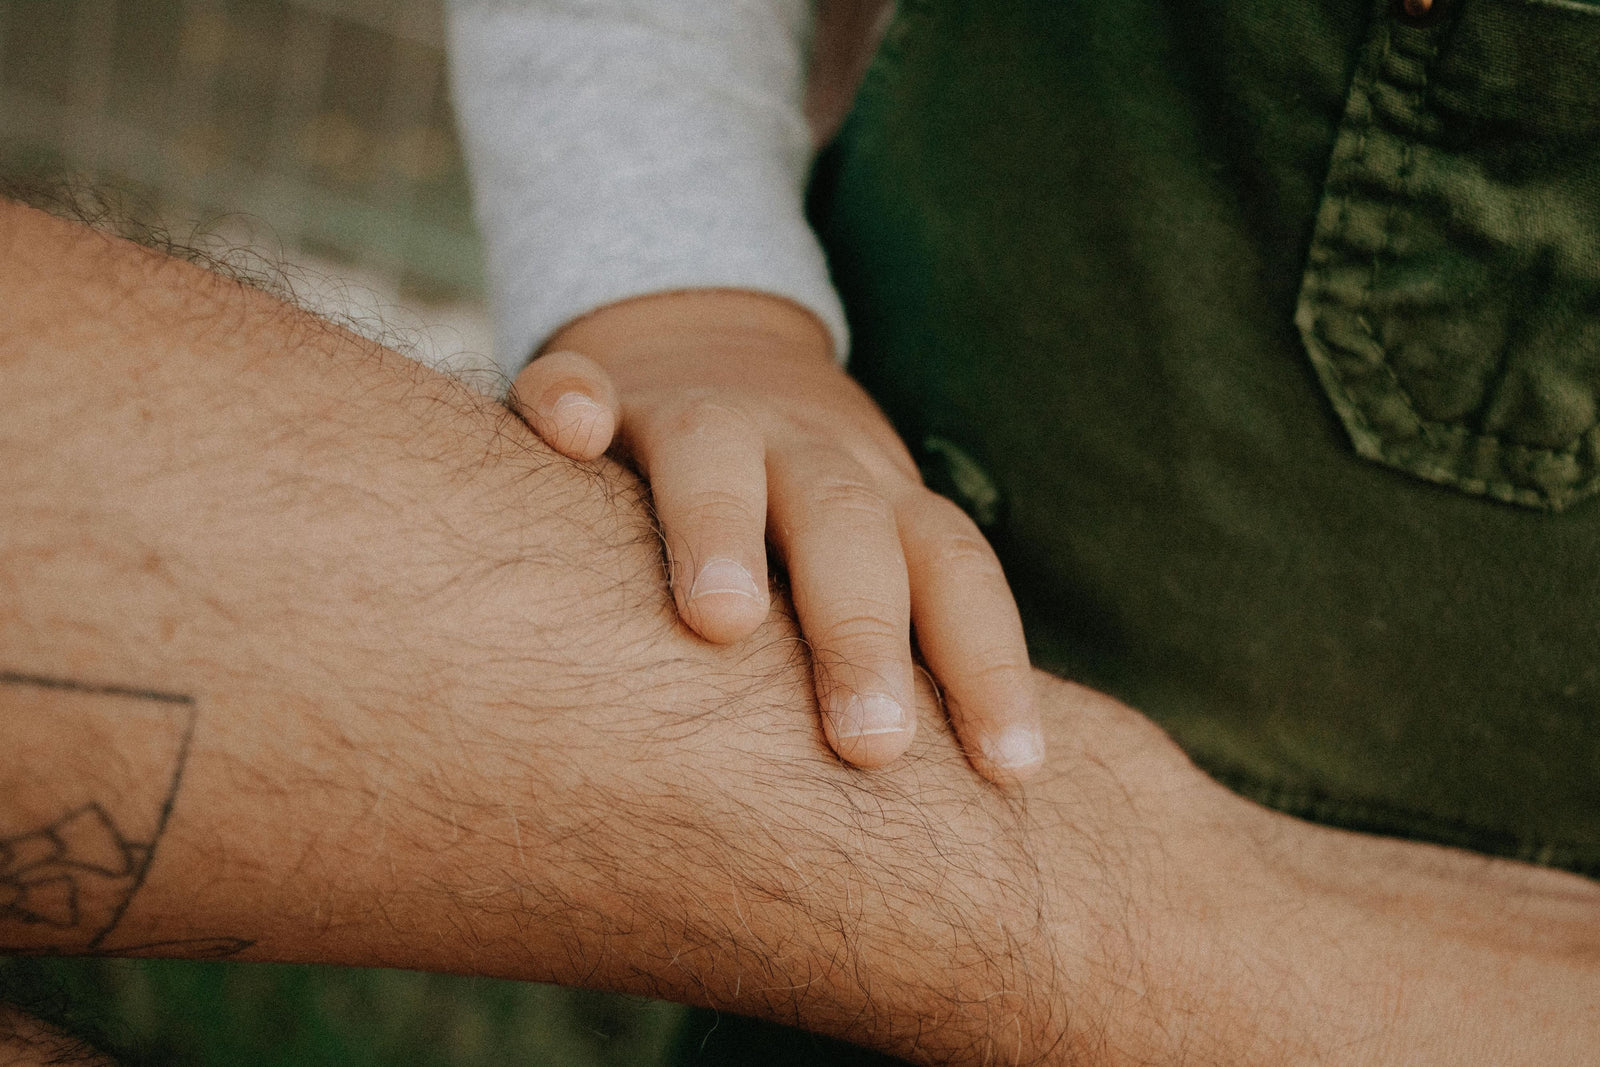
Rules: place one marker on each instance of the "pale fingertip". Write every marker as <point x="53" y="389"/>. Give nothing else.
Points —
<point x="577" y="425"/>
<point x="570" y="401"/>
<point x="866" y="715"/>
<point x="725" y="577"/>
<point x="1015" y="752"/>
<point x="868" y="729"/>
<point x="724" y="604"/>
<point x="571" y="405"/>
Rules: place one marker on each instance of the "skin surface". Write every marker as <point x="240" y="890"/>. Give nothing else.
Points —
<point x="354" y="670"/>
<point x="27" y="1042"/>
<point x="731" y="405"/>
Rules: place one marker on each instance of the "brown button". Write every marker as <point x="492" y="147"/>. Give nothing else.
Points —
<point x="1418" y="9"/>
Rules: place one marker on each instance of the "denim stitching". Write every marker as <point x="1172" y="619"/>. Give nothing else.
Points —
<point x="1433" y="430"/>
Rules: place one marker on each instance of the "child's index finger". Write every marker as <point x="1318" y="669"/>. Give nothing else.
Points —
<point x="705" y="460"/>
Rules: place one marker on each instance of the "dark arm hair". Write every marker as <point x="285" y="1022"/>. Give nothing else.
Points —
<point x="414" y="695"/>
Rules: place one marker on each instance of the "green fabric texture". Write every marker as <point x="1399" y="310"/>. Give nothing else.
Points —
<point x="1163" y="279"/>
<point x="1452" y="296"/>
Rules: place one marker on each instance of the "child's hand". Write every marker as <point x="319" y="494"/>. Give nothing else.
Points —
<point x="734" y="410"/>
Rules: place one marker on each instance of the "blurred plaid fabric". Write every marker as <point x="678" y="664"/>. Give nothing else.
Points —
<point x="328" y="121"/>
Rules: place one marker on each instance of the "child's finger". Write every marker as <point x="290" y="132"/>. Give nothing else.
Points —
<point x="970" y="633"/>
<point x="570" y="401"/>
<point x="837" y="535"/>
<point x="707" y="470"/>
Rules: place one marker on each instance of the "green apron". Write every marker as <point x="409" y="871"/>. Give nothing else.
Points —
<point x="1263" y="336"/>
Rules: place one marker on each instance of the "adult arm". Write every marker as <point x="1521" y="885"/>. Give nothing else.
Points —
<point x="313" y="654"/>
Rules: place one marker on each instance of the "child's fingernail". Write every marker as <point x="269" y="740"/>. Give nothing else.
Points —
<point x="862" y="716"/>
<point x="1017" y="746"/>
<point x="724" y="576"/>
<point x="569" y="404"/>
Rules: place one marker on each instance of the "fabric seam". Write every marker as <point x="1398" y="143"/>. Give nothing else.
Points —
<point x="1434" y="429"/>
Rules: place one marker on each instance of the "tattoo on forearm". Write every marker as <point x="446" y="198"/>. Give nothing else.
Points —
<point x="86" y="790"/>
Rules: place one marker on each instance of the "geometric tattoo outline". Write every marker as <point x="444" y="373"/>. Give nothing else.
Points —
<point x="72" y="879"/>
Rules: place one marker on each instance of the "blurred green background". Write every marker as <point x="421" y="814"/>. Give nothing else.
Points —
<point x="197" y="1014"/>
<point x="320" y="132"/>
<point x="172" y="1012"/>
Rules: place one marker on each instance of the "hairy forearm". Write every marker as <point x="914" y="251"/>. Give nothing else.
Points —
<point x="359" y="673"/>
<point x="422" y="698"/>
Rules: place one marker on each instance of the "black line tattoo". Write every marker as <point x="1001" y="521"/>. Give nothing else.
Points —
<point x="40" y="682"/>
<point x="67" y="882"/>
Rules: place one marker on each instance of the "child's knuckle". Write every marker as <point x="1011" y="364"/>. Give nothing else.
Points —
<point x="709" y="417"/>
<point x="846" y="496"/>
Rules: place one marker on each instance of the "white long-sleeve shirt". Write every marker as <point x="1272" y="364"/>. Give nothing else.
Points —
<point x="625" y="147"/>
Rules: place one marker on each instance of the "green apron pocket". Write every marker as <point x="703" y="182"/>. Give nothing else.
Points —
<point x="1451" y="297"/>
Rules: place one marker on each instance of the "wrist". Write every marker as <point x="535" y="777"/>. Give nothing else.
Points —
<point x="1279" y="941"/>
<point x="661" y="336"/>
